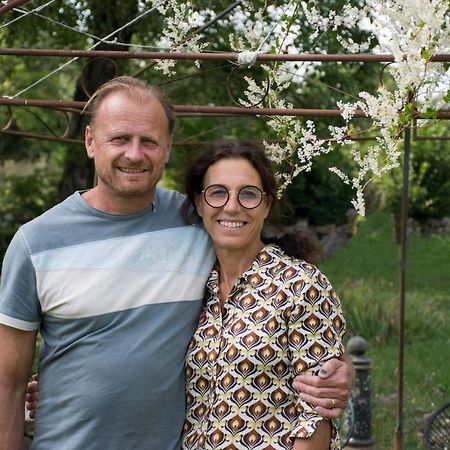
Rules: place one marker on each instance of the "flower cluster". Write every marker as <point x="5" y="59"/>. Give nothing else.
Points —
<point x="180" y="21"/>
<point x="405" y="28"/>
<point x="409" y="30"/>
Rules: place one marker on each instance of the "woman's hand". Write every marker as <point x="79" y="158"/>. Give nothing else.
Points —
<point x="32" y="397"/>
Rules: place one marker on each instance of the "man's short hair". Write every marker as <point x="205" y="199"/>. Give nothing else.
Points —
<point x="134" y="86"/>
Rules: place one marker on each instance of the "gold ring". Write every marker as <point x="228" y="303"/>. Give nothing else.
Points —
<point x="333" y="402"/>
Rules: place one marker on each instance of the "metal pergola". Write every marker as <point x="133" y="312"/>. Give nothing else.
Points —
<point x="220" y="111"/>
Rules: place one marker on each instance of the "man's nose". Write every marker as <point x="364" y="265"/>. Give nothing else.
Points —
<point x="134" y="150"/>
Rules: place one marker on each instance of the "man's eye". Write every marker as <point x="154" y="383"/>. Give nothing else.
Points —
<point x="149" y="143"/>
<point x="119" y="139"/>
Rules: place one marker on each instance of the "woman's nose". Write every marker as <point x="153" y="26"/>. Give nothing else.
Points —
<point x="233" y="202"/>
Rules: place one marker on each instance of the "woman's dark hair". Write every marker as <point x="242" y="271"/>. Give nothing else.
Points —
<point x="250" y="151"/>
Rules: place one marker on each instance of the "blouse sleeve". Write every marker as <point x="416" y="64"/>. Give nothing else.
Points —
<point x="316" y="328"/>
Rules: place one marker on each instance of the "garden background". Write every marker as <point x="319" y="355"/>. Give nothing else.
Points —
<point x="37" y="173"/>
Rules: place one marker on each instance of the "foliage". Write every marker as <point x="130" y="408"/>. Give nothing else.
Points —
<point x="26" y="196"/>
<point x="316" y="195"/>
<point x="429" y="187"/>
<point x="365" y="274"/>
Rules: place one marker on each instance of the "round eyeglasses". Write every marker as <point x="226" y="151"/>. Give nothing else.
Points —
<point x="217" y="196"/>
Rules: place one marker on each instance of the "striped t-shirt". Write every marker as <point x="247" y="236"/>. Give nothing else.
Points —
<point x="116" y="299"/>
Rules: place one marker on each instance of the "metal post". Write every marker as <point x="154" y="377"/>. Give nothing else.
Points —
<point x="399" y="438"/>
<point x="362" y="430"/>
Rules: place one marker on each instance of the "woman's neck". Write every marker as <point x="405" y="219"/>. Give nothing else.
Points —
<point x="232" y="264"/>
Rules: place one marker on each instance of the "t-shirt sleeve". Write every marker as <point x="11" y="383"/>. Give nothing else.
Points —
<point x="316" y="329"/>
<point x="19" y="302"/>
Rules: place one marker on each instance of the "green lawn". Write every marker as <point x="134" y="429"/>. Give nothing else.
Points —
<point x="365" y="273"/>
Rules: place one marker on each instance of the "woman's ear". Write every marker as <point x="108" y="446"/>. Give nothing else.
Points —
<point x="198" y="204"/>
<point x="268" y="207"/>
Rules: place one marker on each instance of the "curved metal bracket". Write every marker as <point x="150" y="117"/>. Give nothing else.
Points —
<point x="233" y="99"/>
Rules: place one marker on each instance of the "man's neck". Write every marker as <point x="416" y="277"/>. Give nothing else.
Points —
<point x="116" y="205"/>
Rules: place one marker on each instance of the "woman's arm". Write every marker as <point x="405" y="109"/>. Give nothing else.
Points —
<point x="315" y="331"/>
<point x="319" y="440"/>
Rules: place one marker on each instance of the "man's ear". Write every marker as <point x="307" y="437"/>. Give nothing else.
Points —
<point x="89" y="142"/>
<point x="169" y="149"/>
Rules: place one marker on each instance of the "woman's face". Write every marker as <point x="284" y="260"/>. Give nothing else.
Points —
<point x="231" y="226"/>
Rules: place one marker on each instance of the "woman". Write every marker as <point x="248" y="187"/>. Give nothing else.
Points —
<point x="267" y="318"/>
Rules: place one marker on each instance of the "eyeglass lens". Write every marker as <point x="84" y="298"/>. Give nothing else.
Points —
<point x="217" y="196"/>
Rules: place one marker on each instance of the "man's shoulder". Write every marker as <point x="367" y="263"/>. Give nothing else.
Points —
<point x="170" y="195"/>
<point x="50" y="215"/>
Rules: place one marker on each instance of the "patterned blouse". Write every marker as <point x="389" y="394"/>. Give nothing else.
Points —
<point x="282" y="318"/>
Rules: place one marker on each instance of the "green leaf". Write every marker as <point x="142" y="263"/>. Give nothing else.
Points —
<point x="429" y="114"/>
<point x="426" y="54"/>
<point x="447" y="97"/>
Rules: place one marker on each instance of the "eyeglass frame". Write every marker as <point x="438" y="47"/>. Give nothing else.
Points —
<point x="228" y="191"/>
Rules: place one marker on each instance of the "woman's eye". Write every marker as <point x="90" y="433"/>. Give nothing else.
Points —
<point x="248" y="194"/>
<point x="219" y="193"/>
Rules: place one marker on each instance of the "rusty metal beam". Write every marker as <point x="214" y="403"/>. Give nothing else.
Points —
<point x="201" y="109"/>
<point x="57" y="104"/>
<point x="185" y="143"/>
<point x="42" y="137"/>
<point x="225" y="56"/>
<point x="11" y="5"/>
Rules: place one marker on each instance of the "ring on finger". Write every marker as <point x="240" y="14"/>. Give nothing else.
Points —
<point x="333" y="402"/>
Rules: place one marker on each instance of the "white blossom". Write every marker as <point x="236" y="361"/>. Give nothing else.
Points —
<point x="411" y="30"/>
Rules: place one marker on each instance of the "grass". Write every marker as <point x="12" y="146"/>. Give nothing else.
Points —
<point x="365" y="273"/>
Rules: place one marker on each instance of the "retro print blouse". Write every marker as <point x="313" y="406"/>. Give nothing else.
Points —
<point x="282" y="318"/>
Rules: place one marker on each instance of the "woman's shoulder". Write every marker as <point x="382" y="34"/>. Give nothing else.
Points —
<point x="287" y="267"/>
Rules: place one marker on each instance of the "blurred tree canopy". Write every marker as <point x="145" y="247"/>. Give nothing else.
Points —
<point x="317" y="195"/>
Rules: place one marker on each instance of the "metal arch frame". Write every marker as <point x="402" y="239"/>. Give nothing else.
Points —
<point x="192" y="109"/>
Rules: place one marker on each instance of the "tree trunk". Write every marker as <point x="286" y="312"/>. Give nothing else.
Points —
<point x="107" y="16"/>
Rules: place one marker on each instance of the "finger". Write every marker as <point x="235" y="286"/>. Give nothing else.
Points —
<point x="342" y="394"/>
<point x="32" y="387"/>
<point x="330" y="367"/>
<point x="30" y="405"/>
<point x="319" y="382"/>
<point x="328" y="403"/>
<point x="329" y="413"/>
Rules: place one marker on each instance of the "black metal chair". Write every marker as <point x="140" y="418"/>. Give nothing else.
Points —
<point x="437" y="429"/>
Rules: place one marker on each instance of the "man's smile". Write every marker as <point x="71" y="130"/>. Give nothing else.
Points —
<point x="129" y="170"/>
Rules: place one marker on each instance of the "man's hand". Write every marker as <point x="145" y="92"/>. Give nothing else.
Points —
<point x="330" y="390"/>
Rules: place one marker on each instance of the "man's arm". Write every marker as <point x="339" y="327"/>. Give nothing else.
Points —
<point x="16" y="359"/>
<point x="330" y="390"/>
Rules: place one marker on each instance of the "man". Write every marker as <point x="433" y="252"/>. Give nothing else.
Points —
<point x="113" y="279"/>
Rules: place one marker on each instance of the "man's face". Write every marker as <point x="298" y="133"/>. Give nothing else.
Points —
<point x="130" y="143"/>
